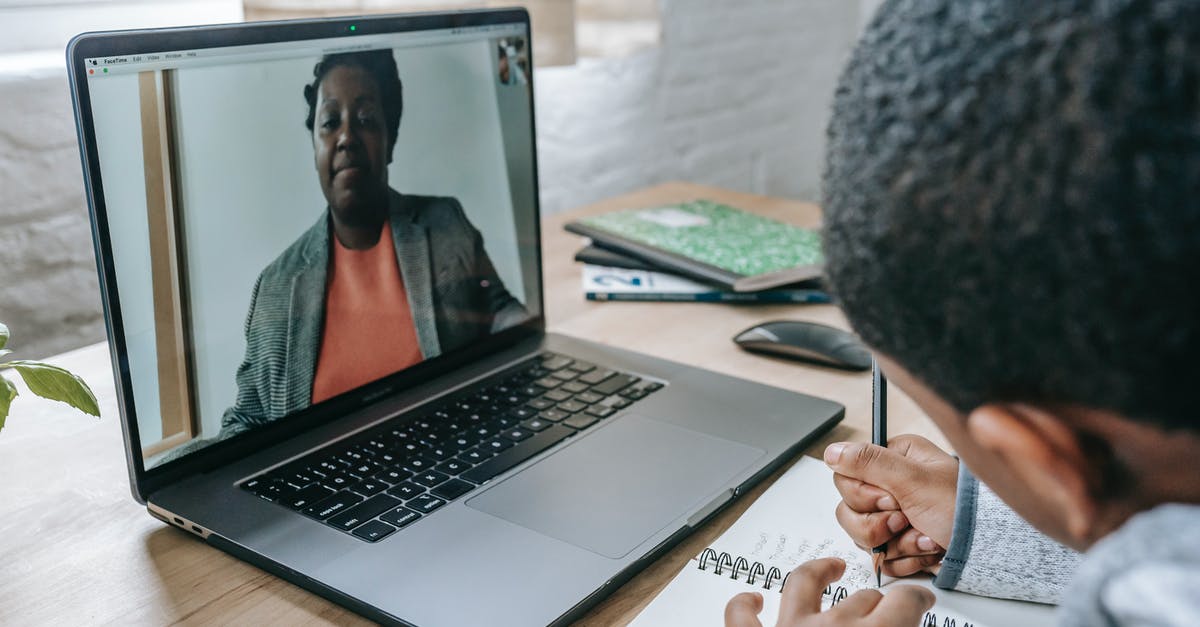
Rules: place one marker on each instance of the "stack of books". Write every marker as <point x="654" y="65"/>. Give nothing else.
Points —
<point x="698" y="251"/>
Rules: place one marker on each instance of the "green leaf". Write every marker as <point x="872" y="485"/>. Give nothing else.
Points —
<point x="4" y="351"/>
<point x="3" y="335"/>
<point x="8" y="392"/>
<point x="57" y="384"/>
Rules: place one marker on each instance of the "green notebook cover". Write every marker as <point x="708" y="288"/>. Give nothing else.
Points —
<point x="711" y="242"/>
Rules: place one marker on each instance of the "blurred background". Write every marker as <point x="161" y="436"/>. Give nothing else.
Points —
<point x="629" y="93"/>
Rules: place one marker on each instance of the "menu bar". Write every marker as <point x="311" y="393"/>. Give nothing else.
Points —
<point x="106" y="66"/>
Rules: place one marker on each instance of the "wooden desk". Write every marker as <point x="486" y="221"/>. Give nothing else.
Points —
<point x="76" y="548"/>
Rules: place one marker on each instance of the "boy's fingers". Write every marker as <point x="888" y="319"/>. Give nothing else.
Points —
<point x="903" y="605"/>
<point x="871" y="529"/>
<point x="863" y="497"/>
<point x="905" y="566"/>
<point x="912" y="542"/>
<point x="802" y="594"/>
<point x="858" y="604"/>
<point x="916" y="447"/>
<point x="742" y="610"/>
<point x="873" y="464"/>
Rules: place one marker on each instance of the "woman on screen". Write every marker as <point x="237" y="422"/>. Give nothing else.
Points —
<point x="381" y="282"/>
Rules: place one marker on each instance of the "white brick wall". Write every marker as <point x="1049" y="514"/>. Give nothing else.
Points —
<point x="736" y="96"/>
<point x="49" y="295"/>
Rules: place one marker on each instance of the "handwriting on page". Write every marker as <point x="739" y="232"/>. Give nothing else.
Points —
<point x="791" y="523"/>
<point x="789" y="553"/>
<point x="741" y="569"/>
<point x="765" y="557"/>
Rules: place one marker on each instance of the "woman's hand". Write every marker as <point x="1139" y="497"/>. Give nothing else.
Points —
<point x="801" y="602"/>
<point x="903" y="495"/>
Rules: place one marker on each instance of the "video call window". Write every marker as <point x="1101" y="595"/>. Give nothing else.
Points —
<point x="310" y="221"/>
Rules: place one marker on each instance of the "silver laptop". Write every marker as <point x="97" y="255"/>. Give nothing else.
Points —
<point x="318" y="245"/>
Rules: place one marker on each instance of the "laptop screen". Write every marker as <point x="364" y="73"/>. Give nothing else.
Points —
<point x="291" y="221"/>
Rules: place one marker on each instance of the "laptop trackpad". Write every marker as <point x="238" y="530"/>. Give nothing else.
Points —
<point x="614" y="489"/>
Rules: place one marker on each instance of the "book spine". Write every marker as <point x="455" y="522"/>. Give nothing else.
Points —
<point x="599" y="256"/>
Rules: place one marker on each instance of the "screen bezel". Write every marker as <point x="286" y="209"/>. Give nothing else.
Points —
<point x="117" y="43"/>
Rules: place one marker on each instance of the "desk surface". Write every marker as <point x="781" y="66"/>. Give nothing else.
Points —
<point x="76" y="547"/>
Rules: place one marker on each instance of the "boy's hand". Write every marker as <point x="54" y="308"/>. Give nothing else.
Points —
<point x="903" y="495"/>
<point x="801" y="602"/>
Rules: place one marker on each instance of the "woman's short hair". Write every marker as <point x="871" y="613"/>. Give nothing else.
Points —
<point x="381" y="65"/>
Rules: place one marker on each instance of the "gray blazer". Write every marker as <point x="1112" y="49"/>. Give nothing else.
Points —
<point x="453" y="289"/>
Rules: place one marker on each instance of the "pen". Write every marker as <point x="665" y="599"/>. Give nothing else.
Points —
<point x="878" y="436"/>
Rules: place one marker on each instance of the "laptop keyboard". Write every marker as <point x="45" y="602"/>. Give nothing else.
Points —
<point x="387" y="477"/>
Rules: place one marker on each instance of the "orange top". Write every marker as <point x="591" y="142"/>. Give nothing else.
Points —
<point x="369" y="330"/>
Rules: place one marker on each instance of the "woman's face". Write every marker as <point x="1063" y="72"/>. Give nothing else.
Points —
<point x="350" y="142"/>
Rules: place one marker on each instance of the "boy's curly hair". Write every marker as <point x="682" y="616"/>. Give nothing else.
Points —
<point x="1012" y="200"/>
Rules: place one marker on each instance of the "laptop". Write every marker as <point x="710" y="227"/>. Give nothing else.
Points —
<point x="318" y="246"/>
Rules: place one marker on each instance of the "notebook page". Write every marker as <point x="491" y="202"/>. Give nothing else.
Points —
<point x="793" y="522"/>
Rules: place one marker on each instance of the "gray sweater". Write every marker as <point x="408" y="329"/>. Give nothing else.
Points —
<point x="1145" y="573"/>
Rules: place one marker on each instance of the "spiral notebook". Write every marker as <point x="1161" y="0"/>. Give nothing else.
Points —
<point x="793" y="522"/>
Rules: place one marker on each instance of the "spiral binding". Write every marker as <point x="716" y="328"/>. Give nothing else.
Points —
<point x="741" y="569"/>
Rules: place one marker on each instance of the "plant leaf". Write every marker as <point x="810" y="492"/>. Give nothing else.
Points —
<point x="3" y="335"/>
<point x="8" y="392"/>
<point x="57" y="384"/>
<point x="4" y="351"/>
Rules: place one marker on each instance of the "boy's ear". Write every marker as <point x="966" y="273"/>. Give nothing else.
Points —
<point x="1047" y="456"/>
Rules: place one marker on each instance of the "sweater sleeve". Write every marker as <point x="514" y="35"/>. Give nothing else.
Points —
<point x="994" y="552"/>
